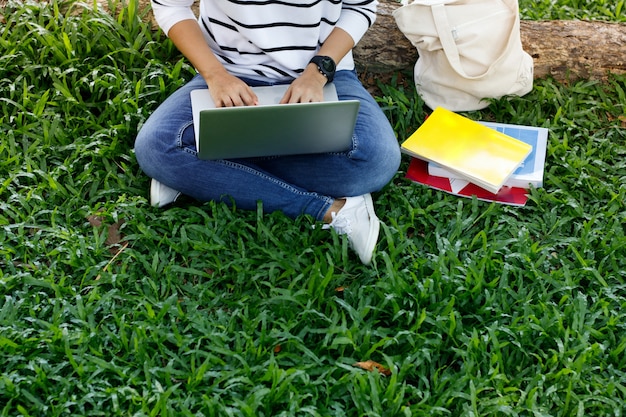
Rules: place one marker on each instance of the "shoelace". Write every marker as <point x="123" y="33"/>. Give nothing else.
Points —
<point x="340" y="223"/>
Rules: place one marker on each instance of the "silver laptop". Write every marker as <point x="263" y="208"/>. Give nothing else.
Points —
<point x="269" y="128"/>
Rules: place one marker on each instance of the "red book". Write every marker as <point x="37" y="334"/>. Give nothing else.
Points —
<point x="418" y="172"/>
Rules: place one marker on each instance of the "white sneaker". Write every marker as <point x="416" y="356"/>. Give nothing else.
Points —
<point x="162" y="195"/>
<point x="357" y="220"/>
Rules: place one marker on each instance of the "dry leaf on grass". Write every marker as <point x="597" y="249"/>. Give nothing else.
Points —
<point x="114" y="237"/>
<point x="371" y="366"/>
<point x="94" y="220"/>
<point x="113" y="240"/>
<point x="621" y="119"/>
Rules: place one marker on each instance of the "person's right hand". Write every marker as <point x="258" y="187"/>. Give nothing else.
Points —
<point x="229" y="91"/>
<point x="226" y="90"/>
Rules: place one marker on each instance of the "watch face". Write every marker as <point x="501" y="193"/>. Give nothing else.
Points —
<point x="328" y="64"/>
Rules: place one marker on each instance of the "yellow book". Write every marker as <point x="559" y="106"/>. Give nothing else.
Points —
<point x="477" y="153"/>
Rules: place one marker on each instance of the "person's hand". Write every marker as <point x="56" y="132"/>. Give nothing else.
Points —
<point x="229" y="91"/>
<point x="307" y="88"/>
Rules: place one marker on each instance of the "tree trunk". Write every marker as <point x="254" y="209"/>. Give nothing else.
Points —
<point x="562" y="49"/>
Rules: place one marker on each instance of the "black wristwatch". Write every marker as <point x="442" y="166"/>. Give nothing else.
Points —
<point x="326" y="65"/>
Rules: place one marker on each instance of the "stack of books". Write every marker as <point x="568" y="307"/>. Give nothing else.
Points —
<point x="491" y="161"/>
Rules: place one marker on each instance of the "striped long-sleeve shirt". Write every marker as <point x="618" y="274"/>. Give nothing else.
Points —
<point x="272" y="39"/>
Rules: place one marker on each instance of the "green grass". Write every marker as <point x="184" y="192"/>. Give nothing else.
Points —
<point x="111" y="307"/>
<point x="611" y="10"/>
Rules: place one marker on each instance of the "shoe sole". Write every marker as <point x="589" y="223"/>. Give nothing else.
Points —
<point x="372" y="237"/>
<point x="155" y="195"/>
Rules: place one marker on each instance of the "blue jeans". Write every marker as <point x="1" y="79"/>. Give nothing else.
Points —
<point x="296" y="185"/>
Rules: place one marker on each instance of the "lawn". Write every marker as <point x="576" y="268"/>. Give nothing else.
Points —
<point x="111" y="307"/>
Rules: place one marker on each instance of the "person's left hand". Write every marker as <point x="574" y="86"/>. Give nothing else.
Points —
<point x="307" y="88"/>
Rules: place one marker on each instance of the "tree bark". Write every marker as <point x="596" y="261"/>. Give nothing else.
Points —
<point x="563" y="49"/>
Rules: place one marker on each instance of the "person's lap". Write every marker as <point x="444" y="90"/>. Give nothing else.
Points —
<point x="165" y="150"/>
